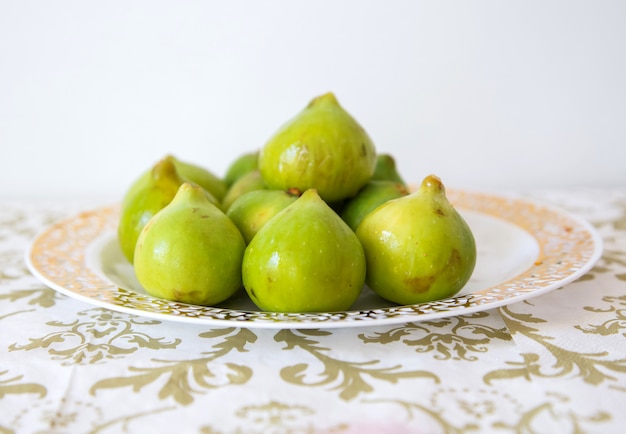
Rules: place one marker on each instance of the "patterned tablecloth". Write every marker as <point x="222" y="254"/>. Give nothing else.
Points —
<point x="555" y="363"/>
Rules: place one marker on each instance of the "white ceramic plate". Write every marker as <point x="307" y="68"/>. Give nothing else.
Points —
<point x="524" y="249"/>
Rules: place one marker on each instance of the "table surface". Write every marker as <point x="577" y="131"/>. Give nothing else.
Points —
<point x="553" y="363"/>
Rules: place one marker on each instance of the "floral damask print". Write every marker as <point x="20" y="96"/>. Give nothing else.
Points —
<point x="275" y="417"/>
<point x="101" y="334"/>
<point x="22" y="223"/>
<point x="73" y="415"/>
<point x="122" y="423"/>
<point x="13" y="385"/>
<point x="13" y="266"/>
<point x="63" y="417"/>
<point x="178" y="375"/>
<point x="348" y="376"/>
<point x="43" y="297"/>
<point x="462" y="340"/>
<point x="614" y="325"/>
<point x="619" y="224"/>
<point x="14" y="222"/>
<point x="593" y="368"/>
<point x="612" y="259"/>
<point x="614" y="255"/>
<point x="460" y="410"/>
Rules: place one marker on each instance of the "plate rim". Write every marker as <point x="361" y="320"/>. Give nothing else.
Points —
<point x="349" y="318"/>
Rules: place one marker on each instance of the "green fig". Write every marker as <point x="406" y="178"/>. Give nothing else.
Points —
<point x="418" y="247"/>
<point x="322" y="147"/>
<point x="374" y="193"/>
<point x="249" y="182"/>
<point x="152" y="191"/>
<point x="386" y="169"/>
<point x="252" y="210"/>
<point x="201" y="176"/>
<point x="243" y="164"/>
<point x="190" y="251"/>
<point x="305" y="259"/>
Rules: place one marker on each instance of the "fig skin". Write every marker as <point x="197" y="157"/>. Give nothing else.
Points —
<point x="386" y="169"/>
<point x="150" y="193"/>
<point x="251" y="181"/>
<point x="322" y="147"/>
<point x="418" y="247"/>
<point x="374" y="194"/>
<point x="306" y="259"/>
<point x="252" y="210"/>
<point x="243" y="164"/>
<point x="201" y="176"/>
<point x="190" y="251"/>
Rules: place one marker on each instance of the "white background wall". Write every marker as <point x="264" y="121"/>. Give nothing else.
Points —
<point x="486" y="94"/>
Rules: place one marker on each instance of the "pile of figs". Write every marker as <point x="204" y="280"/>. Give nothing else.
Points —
<point x="302" y="224"/>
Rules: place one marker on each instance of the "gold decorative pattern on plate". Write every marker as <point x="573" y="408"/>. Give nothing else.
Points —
<point x="557" y="248"/>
